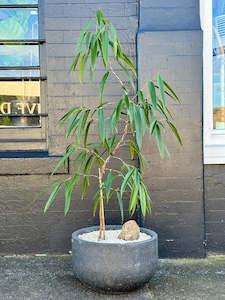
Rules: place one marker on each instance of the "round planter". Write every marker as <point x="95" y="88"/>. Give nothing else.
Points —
<point x="114" y="267"/>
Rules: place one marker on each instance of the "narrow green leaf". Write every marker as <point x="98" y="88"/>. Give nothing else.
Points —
<point x="102" y="85"/>
<point x="126" y="59"/>
<point x="108" y="184"/>
<point x="105" y="46"/>
<point x="47" y="187"/>
<point x="68" y="114"/>
<point x="100" y="47"/>
<point x="141" y="97"/>
<point x="112" y="142"/>
<point x="175" y="131"/>
<point x="118" y="112"/>
<point x="94" y="51"/>
<point x="152" y="93"/>
<point x="114" y="39"/>
<point x="96" y="204"/>
<point x="62" y="160"/>
<point x="98" y="16"/>
<point x="171" y="91"/>
<point x="128" y="76"/>
<point x="142" y="198"/>
<point x="74" y="64"/>
<point x="161" y="88"/>
<point x="125" y="181"/>
<point x="101" y="124"/>
<point x="121" y="206"/>
<point x="82" y="35"/>
<point x="159" y="140"/>
<point x="133" y="199"/>
<point x="88" y="40"/>
<point x="152" y="127"/>
<point x="81" y="69"/>
<point x="86" y="132"/>
<point x="73" y="122"/>
<point x="52" y="197"/>
<point x="84" y="187"/>
<point x="138" y="126"/>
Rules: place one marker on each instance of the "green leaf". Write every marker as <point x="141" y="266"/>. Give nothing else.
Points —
<point x="62" y="160"/>
<point x="112" y="142"/>
<point x="77" y="158"/>
<point x="125" y="181"/>
<point x="129" y="63"/>
<point x="101" y="124"/>
<point x="88" y="40"/>
<point x="94" y="52"/>
<point x="121" y="206"/>
<point x="52" y="197"/>
<point x="68" y="114"/>
<point x="129" y="77"/>
<point x="133" y="199"/>
<point x="142" y="198"/>
<point x="82" y="35"/>
<point x="88" y="166"/>
<point x="138" y="126"/>
<point x="175" y="131"/>
<point x="73" y="122"/>
<point x="105" y="46"/>
<point x="161" y="88"/>
<point x="152" y="127"/>
<point x="118" y="112"/>
<point x="84" y="187"/>
<point x="108" y="184"/>
<point x="141" y="97"/>
<point x="74" y="65"/>
<point x="159" y="140"/>
<point x="86" y="132"/>
<point x="98" y="16"/>
<point x="83" y="63"/>
<point x="152" y="93"/>
<point x="114" y="39"/>
<point x="96" y="204"/>
<point x="174" y="96"/>
<point x="47" y="187"/>
<point x="102" y="85"/>
<point x="100" y="46"/>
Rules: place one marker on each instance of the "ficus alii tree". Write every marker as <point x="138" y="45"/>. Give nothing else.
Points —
<point x="134" y="115"/>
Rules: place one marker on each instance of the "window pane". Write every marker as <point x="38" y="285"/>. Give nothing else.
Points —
<point x="18" y="23"/>
<point x="218" y="64"/>
<point x="19" y="1"/>
<point x="21" y="55"/>
<point x="19" y="97"/>
<point x="19" y="73"/>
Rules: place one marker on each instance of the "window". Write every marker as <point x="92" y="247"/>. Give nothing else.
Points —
<point x="22" y="84"/>
<point x="213" y="25"/>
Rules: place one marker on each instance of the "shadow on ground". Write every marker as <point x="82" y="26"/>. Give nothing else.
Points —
<point x="48" y="278"/>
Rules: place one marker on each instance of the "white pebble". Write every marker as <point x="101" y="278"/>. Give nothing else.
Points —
<point x="111" y="237"/>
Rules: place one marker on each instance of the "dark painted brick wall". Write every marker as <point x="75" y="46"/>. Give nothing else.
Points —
<point x="170" y="43"/>
<point x="215" y="207"/>
<point x="161" y="15"/>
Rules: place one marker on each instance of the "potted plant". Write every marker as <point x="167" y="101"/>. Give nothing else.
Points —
<point x="112" y="266"/>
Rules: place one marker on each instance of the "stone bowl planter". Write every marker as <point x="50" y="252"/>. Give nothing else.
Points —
<point x="114" y="267"/>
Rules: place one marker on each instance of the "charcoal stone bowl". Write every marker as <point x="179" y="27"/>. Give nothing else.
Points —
<point x="114" y="267"/>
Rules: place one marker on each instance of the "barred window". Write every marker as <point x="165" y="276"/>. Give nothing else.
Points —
<point x="22" y="103"/>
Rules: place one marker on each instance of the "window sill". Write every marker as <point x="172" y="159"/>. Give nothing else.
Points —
<point x="17" y="165"/>
<point x="214" y="154"/>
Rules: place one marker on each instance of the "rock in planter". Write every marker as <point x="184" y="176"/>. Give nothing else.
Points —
<point x="130" y="231"/>
<point x="114" y="267"/>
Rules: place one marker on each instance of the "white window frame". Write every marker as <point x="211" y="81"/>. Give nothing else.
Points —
<point x="214" y="140"/>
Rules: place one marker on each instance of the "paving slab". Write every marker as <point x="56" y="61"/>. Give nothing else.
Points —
<point x="50" y="277"/>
